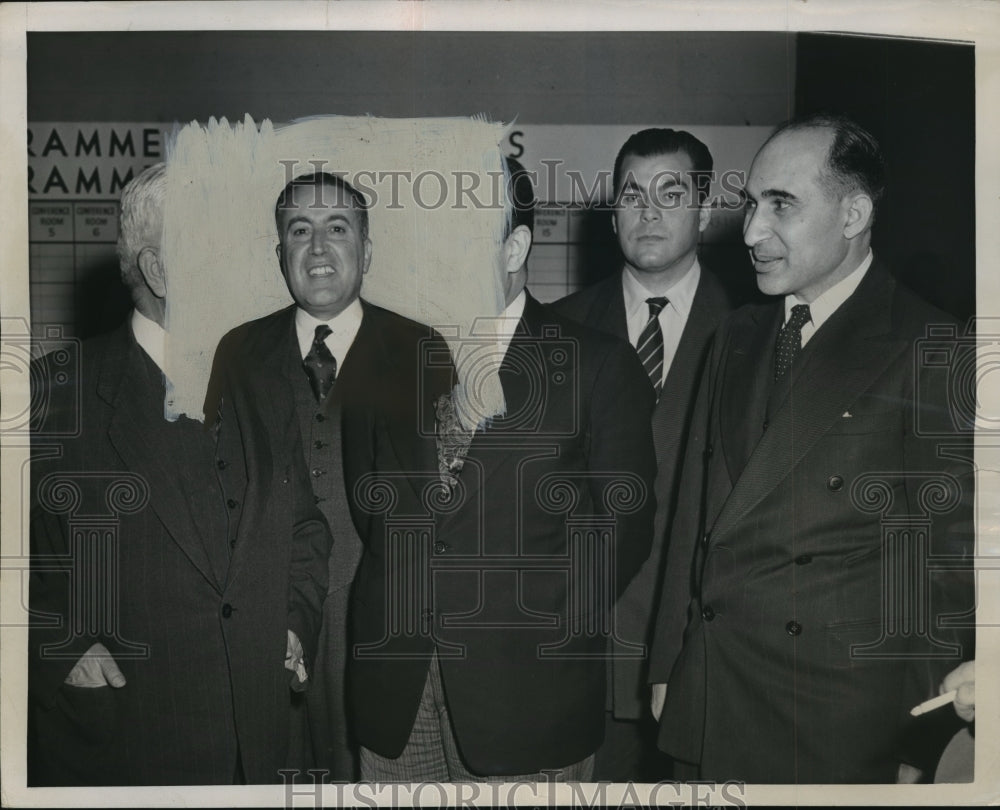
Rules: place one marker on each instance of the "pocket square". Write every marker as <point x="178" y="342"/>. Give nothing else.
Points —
<point x="847" y="415"/>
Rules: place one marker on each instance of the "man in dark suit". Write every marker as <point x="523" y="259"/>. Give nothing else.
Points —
<point x="483" y="597"/>
<point x="668" y="307"/>
<point x="177" y="572"/>
<point x="798" y="622"/>
<point x="334" y="354"/>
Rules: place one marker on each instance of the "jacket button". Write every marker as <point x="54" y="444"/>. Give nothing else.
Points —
<point x="440" y="548"/>
<point x="221" y="464"/>
<point x="793" y="628"/>
<point x="765" y="425"/>
<point x="707" y="613"/>
<point x="232" y="543"/>
<point x="804" y="559"/>
<point x="231" y="503"/>
<point x="319" y="444"/>
<point x="227" y="610"/>
<point x="704" y="539"/>
<point x="709" y="450"/>
<point x="317" y="472"/>
<point x="320" y="417"/>
<point x="835" y="483"/>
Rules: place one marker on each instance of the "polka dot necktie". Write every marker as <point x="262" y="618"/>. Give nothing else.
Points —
<point x="790" y="340"/>
<point x="650" y="344"/>
<point x="320" y="365"/>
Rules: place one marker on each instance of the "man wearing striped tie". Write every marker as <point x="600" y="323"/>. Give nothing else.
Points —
<point x="667" y="306"/>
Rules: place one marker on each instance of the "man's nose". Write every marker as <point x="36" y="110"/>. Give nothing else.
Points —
<point x="754" y="227"/>
<point x="316" y="242"/>
<point x="648" y="211"/>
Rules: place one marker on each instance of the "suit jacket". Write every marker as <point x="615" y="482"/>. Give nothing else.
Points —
<point x="802" y="523"/>
<point x="511" y="578"/>
<point x="602" y="306"/>
<point x="379" y="372"/>
<point x="206" y="587"/>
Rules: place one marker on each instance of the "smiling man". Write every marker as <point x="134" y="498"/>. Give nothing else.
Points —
<point x="667" y="306"/>
<point x="340" y="355"/>
<point x="796" y="630"/>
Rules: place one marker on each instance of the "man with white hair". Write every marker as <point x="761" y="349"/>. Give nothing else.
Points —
<point x="166" y="596"/>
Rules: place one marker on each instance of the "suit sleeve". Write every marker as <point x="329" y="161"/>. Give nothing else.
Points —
<point x="621" y="441"/>
<point x="944" y="461"/>
<point x="682" y="535"/>
<point x="49" y="581"/>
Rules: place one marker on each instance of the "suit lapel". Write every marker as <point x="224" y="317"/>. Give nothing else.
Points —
<point x="491" y="446"/>
<point x="137" y="432"/>
<point x="607" y="313"/>
<point x="669" y="414"/>
<point x="748" y="381"/>
<point x="852" y="350"/>
<point x="371" y="361"/>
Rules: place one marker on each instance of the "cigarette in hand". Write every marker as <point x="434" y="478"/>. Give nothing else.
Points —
<point x="934" y="703"/>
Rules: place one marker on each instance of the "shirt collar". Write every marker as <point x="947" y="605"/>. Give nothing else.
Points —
<point x="507" y="323"/>
<point x="345" y="324"/>
<point x="680" y="295"/>
<point x="830" y="301"/>
<point x="150" y="336"/>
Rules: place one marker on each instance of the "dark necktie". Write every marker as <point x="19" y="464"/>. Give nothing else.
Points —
<point x="320" y="365"/>
<point x="790" y="340"/>
<point x="650" y="344"/>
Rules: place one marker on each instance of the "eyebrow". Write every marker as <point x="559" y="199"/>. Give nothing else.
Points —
<point x="777" y="193"/>
<point x="332" y="218"/>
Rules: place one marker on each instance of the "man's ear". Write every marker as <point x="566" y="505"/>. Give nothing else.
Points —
<point x="704" y="216"/>
<point x="515" y="248"/>
<point x="152" y="271"/>
<point x="368" y="255"/>
<point x="860" y="210"/>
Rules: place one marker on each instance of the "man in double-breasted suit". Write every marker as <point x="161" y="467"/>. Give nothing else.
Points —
<point x="371" y="357"/>
<point x="177" y="572"/>
<point x="482" y="601"/>
<point x="798" y="622"/>
<point x="661" y="183"/>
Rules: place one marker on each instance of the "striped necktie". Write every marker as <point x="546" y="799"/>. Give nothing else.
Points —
<point x="650" y="344"/>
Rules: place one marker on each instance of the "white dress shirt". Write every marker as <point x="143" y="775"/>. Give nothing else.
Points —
<point x="829" y="302"/>
<point x="344" y="328"/>
<point x="672" y="317"/>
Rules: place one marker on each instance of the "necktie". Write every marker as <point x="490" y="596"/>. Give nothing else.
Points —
<point x="790" y="340"/>
<point x="320" y="365"/>
<point x="650" y="344"/>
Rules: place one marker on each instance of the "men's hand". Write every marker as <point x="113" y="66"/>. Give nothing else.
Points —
<point x="96" y="667"/>
<point x="656" y="702"/>
<point x="963" y="680"/>
<point x="293" y="661"/>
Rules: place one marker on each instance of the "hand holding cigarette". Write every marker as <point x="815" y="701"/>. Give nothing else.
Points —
<point x="962" y="680"/>
<point x="959" y="686"/>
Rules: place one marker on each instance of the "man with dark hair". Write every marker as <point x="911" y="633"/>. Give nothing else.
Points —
<point x="182" y="566"/>
<point x="667" y="306"/>
<point x="338" y="357"/>
<point x="798" y="624"/>
<point x="481" y="628"/>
